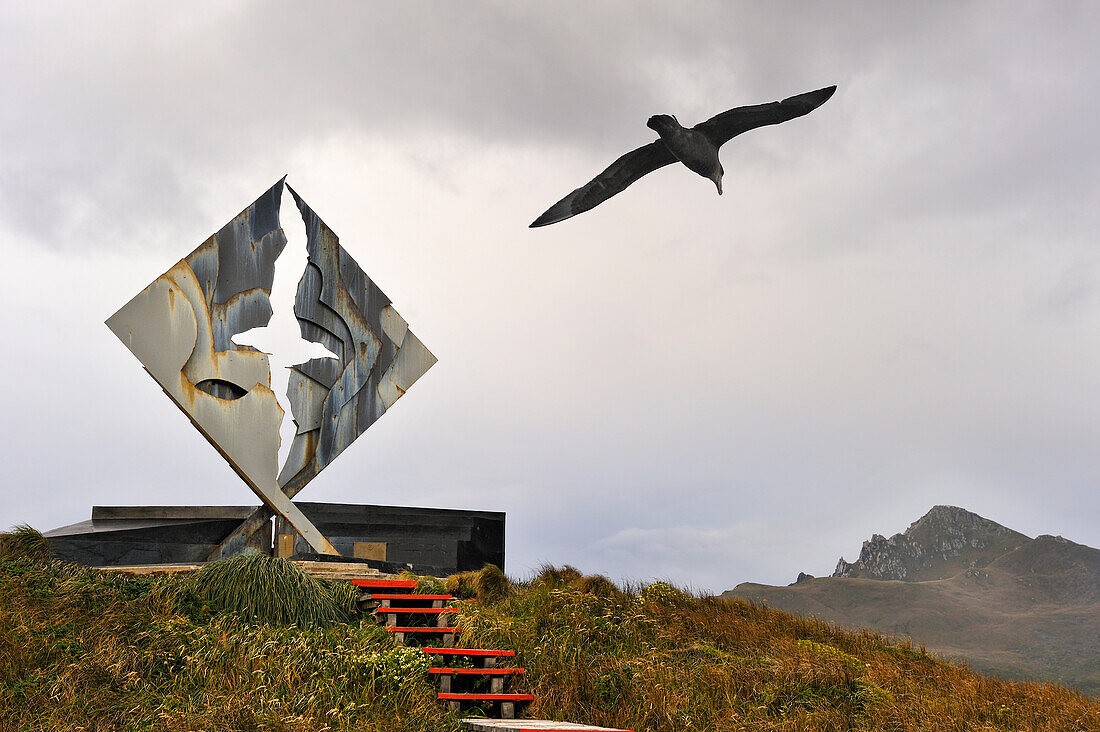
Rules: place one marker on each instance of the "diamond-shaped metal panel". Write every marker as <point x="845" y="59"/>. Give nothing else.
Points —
<point x="181" y="328"/>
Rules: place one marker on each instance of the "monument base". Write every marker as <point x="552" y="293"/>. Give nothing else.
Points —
<point x="432" y="541"/>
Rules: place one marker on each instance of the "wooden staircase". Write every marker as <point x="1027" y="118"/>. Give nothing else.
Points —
<point x="465" y="677"/>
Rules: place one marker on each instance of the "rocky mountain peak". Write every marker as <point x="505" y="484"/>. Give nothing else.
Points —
<point x="941" y="543"/>
<point x="955" y="521"/>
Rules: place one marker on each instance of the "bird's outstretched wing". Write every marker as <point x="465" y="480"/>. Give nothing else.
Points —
<point x="618" y="176"/>
<point x="729" y="124"/>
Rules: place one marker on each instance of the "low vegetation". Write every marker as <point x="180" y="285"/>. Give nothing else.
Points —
<point x="660" y="659"/>
<point x="214" y="650"/>
<point x="232" y="647"/>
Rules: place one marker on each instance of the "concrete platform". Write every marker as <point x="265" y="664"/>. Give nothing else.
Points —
<point x="321" y="570"/>
<point x="523" y="725"/>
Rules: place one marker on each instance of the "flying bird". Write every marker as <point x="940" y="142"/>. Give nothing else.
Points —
<point x="696" y="147"/>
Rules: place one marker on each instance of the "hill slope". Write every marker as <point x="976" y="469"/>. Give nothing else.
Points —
<point x="82" y="649"/>
<point x="970" y="589"/>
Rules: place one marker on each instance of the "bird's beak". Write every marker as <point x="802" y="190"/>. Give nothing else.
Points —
<point x="718" y="182"/>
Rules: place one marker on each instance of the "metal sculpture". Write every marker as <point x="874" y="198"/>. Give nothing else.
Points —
<point x="181" y="328"/>
<point x="695" y="147"/>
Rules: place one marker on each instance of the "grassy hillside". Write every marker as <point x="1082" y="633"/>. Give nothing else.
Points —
<point x="80" y="649"/>
<point x="990" y="619"/>
<point x="1032" y="612"/>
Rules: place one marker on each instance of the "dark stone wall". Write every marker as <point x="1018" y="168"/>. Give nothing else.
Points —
<point x="425" y="540"/>
<point x="118" y="542"/>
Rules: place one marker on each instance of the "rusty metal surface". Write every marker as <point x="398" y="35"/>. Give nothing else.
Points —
<point x="181" y="328"/>
<point x="335" y="400"/>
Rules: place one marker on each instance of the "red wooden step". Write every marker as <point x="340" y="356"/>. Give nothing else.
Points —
<point x="468" y="652"/>
<point x="478" y="671"/>
<point x="421" y="610"/>
<point x="411" y="597"/>
<point x="385" y="584"/>
<point x="421" y="629"/>
<point x="446" y="696"/>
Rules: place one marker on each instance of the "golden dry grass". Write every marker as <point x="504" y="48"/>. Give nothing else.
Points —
<point x="88" y="650"/>
<point x="660" y="659"/>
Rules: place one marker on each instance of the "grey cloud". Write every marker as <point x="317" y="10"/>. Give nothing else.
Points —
<point x="891" y="307"/>
<point x="111" y="99"/>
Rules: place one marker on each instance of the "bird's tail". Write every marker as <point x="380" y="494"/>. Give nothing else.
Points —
<point x="661" y="122"/>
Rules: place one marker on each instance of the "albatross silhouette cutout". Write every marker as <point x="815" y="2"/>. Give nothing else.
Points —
<point x="696" y="147"/>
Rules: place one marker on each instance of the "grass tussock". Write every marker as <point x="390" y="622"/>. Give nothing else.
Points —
<point x="24" y="542"/>
<point x="272" y="590"/>
<point x="488" y="584"/>
<point x="551" y="576"/>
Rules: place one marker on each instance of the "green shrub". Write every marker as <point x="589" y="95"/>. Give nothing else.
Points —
<point x="425" y="584"/>
<point x="395" y="668"/>
<point x="871" y="696"/>
<point x="663" y="593"/>
<point x="832" y="653"/>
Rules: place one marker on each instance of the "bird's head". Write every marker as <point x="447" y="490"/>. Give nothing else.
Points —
<point x="663" y="124"/>
<point x="717" y="178"/>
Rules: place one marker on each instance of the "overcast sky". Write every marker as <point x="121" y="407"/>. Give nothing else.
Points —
<point x="895" y="304"/>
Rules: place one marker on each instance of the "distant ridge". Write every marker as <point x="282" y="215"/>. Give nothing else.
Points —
<point x="968" y="588"/>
